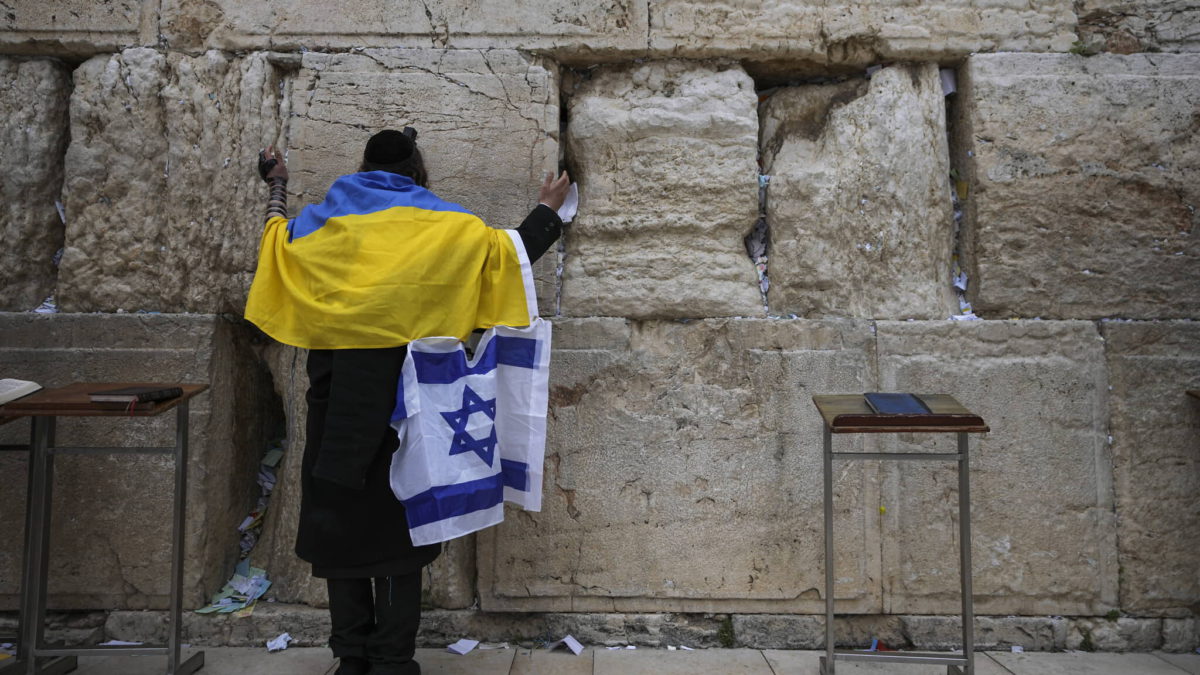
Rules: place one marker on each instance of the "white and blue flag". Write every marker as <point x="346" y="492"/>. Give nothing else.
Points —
<point x="472" y="430"/>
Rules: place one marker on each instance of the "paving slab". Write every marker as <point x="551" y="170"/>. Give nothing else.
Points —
<point x="1189" y="663"/>
<point x="477" y="662"/>
<point x="793" y="662"/>
<point x="664" y="662"/>
<point x="559" y="662"/>
<point x="1081" y="663"/>
<point x="218" y="661"/>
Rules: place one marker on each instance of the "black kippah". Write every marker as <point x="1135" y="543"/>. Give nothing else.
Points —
<point x="388" y="147"/>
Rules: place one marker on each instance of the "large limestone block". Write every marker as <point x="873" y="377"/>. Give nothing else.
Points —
<point x="858" y="32"/>
<point x="1127" y="26"/>
<point x="683" y="473"/>
<point x="1156" y="465"/>
<point x="1044" y="531"/>
<point x="72" y="27"/>
<point x="859" y="203"/>
<point x="487" y="125"/>
<point x="111" y="514"/>
<point x="448" y="583"/>
<point x="1085" y="178"/>
<point x="580" y="29"/>
<point x="163" y="199"/>
<point x="33" y="133"/>
<point x="665" y="157"/>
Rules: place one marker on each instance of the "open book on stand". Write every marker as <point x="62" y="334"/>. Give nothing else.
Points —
<point x="11" y="390"/>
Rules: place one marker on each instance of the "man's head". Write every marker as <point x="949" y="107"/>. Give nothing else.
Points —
<point x="397" y="152"/>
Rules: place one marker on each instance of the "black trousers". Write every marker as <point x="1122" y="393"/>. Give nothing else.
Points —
<point x="377" y="620"/>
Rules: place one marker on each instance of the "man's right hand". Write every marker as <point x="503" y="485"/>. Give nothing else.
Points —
<point x="554" y="190"/>
<point x="271" y="165"/>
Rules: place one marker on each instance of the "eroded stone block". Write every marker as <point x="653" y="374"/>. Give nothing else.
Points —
<point x="858" y="32"/>
<point x="71" y="27"/>
<point x="163" y="199"/>
<point x="1128" y="26"/>
<point x="1125" y="634"/>
<point x="859" y="202"/>
<point x="683" y="473"/>
<point x="1044" y="531"/>
<point x="1083" y="194"/>
<point x="1155" y="464"/>
<point x="33" y="132"/>
<point x="487" y="124"/>
<point x="944" y="633"/>
<point x="665" y="157"/>
<point x="111" y="515"/>
<point x="594" y="28"/>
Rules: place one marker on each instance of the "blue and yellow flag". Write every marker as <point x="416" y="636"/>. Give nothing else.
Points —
<point x="382" y="262"/>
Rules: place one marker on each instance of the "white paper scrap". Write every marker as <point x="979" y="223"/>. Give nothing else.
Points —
<point x="1018" y="649"/>
<point x="571" y="644"/>
<point x="670" y="648"/>
<point x="686" y="648"/>
<point x="570" y="205"/>
<point x="119" y="643"/>
<point x="462" y="646"/>
<point x="280" y="643"/>
<point x="949" y="81"/>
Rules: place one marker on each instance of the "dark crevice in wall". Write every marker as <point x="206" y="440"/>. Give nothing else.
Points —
<point x="964" y="273"/>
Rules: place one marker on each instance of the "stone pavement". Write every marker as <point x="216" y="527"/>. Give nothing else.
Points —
<point x="317" y="661"/>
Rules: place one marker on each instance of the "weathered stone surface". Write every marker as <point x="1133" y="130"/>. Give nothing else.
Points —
<point x="1044" y="531"/>
<point x="1083" y="197"/>
<point x="682" y="473"/>
<point x="449" y="582"/>
<point x="665" y="157"/>
<point x="806" y="631"/>
<point x="572" y="29"/>
<point x="1180" y="635"/>
<point x="71" y="27"/>
<point x="1155" y="463"/>
<point x="859" y="32"/>
<point x="487" y="121"/>
<point x="859" y="202"/>
<point x="1122" y="635"/>
<point x="1032" y="633"/>
<point x="1127" y="26"/>
<point x="111" y="525"/>
<point x="162" y="193"/>
<point x="33" y="132"/>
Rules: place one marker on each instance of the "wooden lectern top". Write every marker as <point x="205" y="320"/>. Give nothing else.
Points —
<point x="850" y="414"/>
<point x="73" y="401"/>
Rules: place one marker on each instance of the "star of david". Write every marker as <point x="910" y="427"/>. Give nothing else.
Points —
<point x="457" y="419"/>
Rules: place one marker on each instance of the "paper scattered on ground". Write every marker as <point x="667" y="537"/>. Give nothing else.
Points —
<point x="462" y="646"/>
<point x="570" y="643"/>
<point x="620" y="647"/>
<point x="279" y="643"/>
<point x="119" y="643"/>
<point x="239" y="593"/>
<point x="501" y="645"/>
<point x="686" y="648"/>
<point x="570" y="205"/>
<point x="1017" y="649"/>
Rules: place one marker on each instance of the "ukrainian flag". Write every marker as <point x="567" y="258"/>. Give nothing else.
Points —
<point x="382" y="262"/>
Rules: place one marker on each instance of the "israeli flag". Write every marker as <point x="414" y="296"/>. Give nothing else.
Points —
<point x="472" y="428"/>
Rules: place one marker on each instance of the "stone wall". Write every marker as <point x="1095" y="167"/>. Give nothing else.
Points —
<point x="1034" y="161"/>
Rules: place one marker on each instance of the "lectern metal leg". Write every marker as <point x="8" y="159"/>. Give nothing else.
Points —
<point x="827" y="662"/>
<point x="175" y="629"/>
<point x="964" y="546"/>
<point x="37" y="543"/>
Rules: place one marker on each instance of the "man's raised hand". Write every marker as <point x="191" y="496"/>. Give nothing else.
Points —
<point x="554" y="190"/>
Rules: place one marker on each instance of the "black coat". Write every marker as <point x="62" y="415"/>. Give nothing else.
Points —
<point x="351" y="524"/>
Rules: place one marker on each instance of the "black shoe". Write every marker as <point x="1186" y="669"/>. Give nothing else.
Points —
<point x="353" y="665"/>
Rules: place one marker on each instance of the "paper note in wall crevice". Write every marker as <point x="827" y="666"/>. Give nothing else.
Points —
<point x="570" y="205"/>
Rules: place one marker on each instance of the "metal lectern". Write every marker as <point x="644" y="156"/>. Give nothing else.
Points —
<point x="850" y="414"/>
<point x="44" y="407"/>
